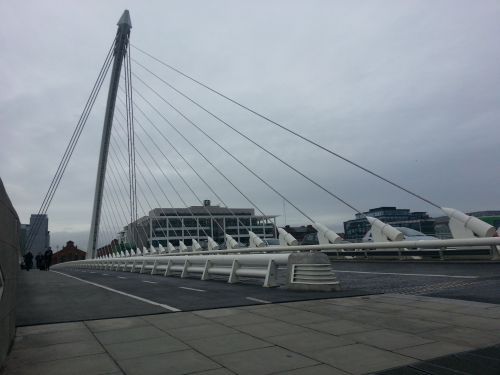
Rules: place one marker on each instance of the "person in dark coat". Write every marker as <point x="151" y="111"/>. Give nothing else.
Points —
<point x="28" y="260"/>
<point x="47" y="258"/>
<point x="38" y="260"/>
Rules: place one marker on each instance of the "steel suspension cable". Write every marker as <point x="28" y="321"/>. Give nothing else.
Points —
<point x="158" y="184"/>
<point x="188" y="163"/>
<point x="71" y="145"/>
<point x="225" y="150"/>
<point x="301" y="136"/>
<point x="149" y="188"/>
<point x="115" y="154"/>
<point x="199" y="152"/>
<point x="247" y="138"/>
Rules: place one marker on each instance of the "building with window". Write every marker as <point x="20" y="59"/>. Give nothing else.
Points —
<point x="164" y="225"/>
<point x="399" y="217"/>
<point x="37" y="233"/>
<point x="68" y="253"/>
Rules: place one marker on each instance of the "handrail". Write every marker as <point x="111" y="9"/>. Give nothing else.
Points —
<point x="422" y="244"/>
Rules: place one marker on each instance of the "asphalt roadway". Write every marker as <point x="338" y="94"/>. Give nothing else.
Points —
<point x="72" y="295"/>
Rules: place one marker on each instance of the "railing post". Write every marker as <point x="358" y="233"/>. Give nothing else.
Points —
<point x="184" y="269"/>
<point x="271" y="275"/>
<point x="154" y="267"/>
<point x="205" y="275"/>
<point x="495" y="252"/>
<point x="169" y="266"/>
<point x="233" y="278"/>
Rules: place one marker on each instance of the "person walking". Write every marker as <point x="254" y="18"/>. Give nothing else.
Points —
<point x="38" y="261"/>
<point x="48" y="258"/>
<point x="28" y="260"/>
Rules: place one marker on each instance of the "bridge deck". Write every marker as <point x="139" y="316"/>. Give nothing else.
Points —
<point x="350" y="335"/>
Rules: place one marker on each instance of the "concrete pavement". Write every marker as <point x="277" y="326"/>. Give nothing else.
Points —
<point x="354" y="335"/>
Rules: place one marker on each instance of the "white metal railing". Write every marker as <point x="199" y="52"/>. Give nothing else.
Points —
<point x="204" y="266"/>
<point x="462" y="246"/>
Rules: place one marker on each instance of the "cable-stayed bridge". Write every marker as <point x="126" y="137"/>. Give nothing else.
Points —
<point x="145" y="182"/>
<point x="144" y="228"/>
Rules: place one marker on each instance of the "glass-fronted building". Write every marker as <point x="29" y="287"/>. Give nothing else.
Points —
<point x="400" y="217"/>
<point x="164" y="225"/>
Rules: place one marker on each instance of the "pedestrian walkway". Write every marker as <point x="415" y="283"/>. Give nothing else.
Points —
<point x="355" y="335"/>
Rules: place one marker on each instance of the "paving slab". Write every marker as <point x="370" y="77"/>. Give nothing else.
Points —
<point x="314" y="370"/>
<point x="226" y="344"/>
<point x="234" y="317"/>
<point x="180" y="362"/>
<point x="303" y="317"/>
<point x="464" y="336"/>
<point x="40" y="340"/>
<point x="110" y="324"/>
<point x="387" y="339"/>
<point x="355" y="336"/>
<point x="85" y="365"/>
<point x="432" y="350"/>
<point x="309" y="341"/>
<point x="175" y="320"/>
<point x="340" y="327"/>
<point x="360" y="358"/>
<point x="201" y="331"/>
<point x="128" y="334"/>
<point x="24" y="357"/>
<point x="146" y="347"/>
<point x="264" y="361"/>
<point x="276" y="328"/>
<point x="46" y="328"/>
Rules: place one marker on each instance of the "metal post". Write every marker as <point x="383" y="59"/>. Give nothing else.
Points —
<point x="121" y="45"/>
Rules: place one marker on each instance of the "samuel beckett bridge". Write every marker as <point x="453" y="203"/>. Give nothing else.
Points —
<point x="142" y="167"/>
<point x="222" y="256"/>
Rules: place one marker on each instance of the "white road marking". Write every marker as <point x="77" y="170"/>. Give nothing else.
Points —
<point x="196" y="290"/>
<point x="167" y="307"/>
<point x="150" y="282"/>
<point x="409" y="274"/>
<point x="257" y="300"/>
<point x="105" y="274"/>
<point x="121" y="277"/>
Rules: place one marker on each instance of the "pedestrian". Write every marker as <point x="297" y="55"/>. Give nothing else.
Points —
<point x="48" y="258"/>
<point x="28" y="260"/>
<point x="38" y="260"/>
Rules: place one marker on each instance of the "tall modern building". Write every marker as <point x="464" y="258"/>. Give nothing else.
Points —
<point x="400" y="217"/>
<point x="38" y="235"/>
<point x="164" y="225"/>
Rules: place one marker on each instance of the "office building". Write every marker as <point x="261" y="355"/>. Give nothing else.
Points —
<point x="164" y="225"/>
<point x="38" y="235"/>
<point x="399" y="217"/>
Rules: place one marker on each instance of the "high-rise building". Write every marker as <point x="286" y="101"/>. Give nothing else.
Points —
<point x="38" y="235"/>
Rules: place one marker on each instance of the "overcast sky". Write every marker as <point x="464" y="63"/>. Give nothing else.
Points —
<point x="410" y="89"/>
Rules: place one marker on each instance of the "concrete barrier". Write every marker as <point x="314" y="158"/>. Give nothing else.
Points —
<point x="9" y="266"/>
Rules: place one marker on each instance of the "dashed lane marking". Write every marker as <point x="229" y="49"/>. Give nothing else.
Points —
<point x="121" y="277"/>
<point x="149" y="282"/>
<point x="194" y="289"/>
<point x="257" y="300"/>
<point x="167" y="307"/>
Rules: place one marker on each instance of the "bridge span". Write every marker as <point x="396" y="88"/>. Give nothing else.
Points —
<point x="389" y="318"/>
